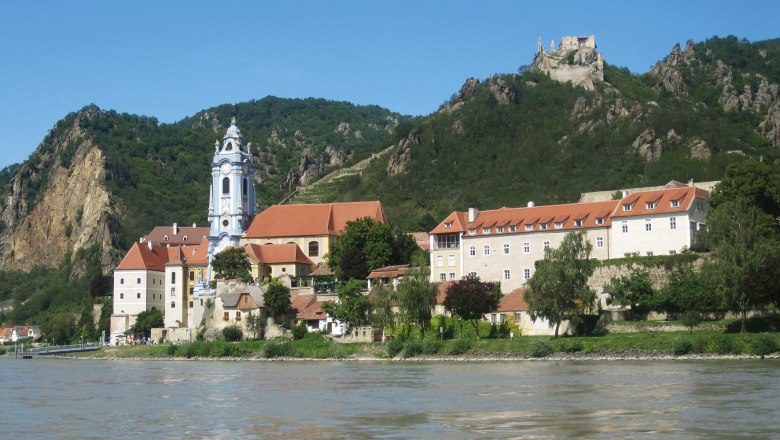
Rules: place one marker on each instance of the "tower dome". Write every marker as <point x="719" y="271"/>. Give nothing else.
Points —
<point x="233" y="131"/>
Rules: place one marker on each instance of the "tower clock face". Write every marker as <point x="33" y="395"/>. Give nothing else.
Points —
<point x="225" y="204"/>
<point x="225" y="168"/>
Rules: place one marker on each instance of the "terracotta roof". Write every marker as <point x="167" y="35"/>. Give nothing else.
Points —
<point x="140" y="257"/>
<point x="277" y="253"/>
<point x="322" y="270"/>
<point x="389" y="272"/>
<point x="192" y="235"/>
<point x="198" y="254"/>
<point x="535" y="216"/>
<point x="422" y="240"/>
<point x="661" y="201"/>
<point x="442" y="294"/>
<point x="311" y="219"/>
<point x="307" y="308"/>
<point x="514" y="301"/>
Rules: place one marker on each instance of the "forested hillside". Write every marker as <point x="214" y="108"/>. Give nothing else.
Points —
<point x="519" y="137"/>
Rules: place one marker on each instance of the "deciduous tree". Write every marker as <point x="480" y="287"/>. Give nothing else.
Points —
<point x="382" y="303"/>
<point x="352" y="306"/>
<point x="417" y="297"/>
<point x="634" y="290"/>
<point x="471" y="298"/>
<point x="146" y="321"/>
<point x="277" y="299"/>
<point x="372" y="238"/>
<point x="231" y="264"/>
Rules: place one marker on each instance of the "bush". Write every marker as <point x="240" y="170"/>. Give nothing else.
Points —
<point x="300" y="330"/>
<point x="460" y="346"/>
<point x="278" y="349"/>
<point x="3" y="351"/>
<point x="171" y="350"/>
<point x="763" y="344"/>
<point x="682" y="346"/>
<point x="570" y="345"/>
<point x="756" y="324"/>
<point x="394" y="346"/>
<point x="724" y="344"/>
<point x="542" y="349"/>
<point x="232" y="333"/>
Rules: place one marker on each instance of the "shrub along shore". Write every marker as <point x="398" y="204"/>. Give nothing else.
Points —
<point x="705" y="344"/>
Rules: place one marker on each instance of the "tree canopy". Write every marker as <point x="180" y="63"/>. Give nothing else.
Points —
<point x="232" y="263"/>
<point x="752" y="180"/>
<point x="146" y="321"/>
<point x="351" y="307"/>
<point x="277" y="299"/>
<point x="471" y="298"/>
<point x="558" y="290"/>
<point x="634" y="290"/>
<point x="417" y="297"/>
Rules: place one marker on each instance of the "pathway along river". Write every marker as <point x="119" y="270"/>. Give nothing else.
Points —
<point x="58" y="398"/>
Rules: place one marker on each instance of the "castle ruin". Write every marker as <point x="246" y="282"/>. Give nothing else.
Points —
<point x="575" y="60"/>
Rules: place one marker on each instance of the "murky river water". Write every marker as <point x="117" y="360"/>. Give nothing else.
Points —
<point x="48" y="398"/>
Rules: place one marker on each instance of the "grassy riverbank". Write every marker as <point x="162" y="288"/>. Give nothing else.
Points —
<point x="637" y="344"/>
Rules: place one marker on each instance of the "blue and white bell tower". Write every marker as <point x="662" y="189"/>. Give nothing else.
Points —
<point x="232" y="197"/>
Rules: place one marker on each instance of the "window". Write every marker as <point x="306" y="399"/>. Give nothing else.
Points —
<point x="672" y="222"/>
<point x="624" y="225"/>
<point x="165" y="238"/>
<point x="472" y="251"/>
<point x="138" y="295"/>
<point x="121" y="281"/>
<point x="173" y="304"/>
<point x="225" y="185"/>
<point x="184" y="238"/>
<point x="526" y="248"/>
<point x="527" y="274"/>
<point x="472" y="231"/>
<point x="675" y="203"/>
<point x="443" y="277"/>
<point x="626" y="208"/>
<point x="451" y="260"/>
<point x="448" y="225"/>
<point x="245" y="186"/>
<point x="173" y="291"/>
<point x="529" y="227"/>
<point x="513" y="229"/>
<point x="192" y="291"/>
<point x="648" y="225"/>
<point x="449" y="241"/>
<point x="452" y="276"/>
<point x="650" y="205"/>
<point x="192" y="275"/>
<point x="226" y="316"/>
<point x="314" y="248"/>
<point x="543" y="226"/>
<point x="558" y="225"/>
<point x="577" y="223"/>
<point x="121" y="296"/>
<point x="486" y="230"/>
<point x="506" y="248"/>
<point x="173" y="277"/>
<point x="599" y="242"/>
<point x="238" y="316"/>
<point x="190" y="304"/>
<point x="600" y="221"/>
<point x="486" y="249"/>
<point x="138" y="281"/>
<point x="507" y="274"/>
<point x="546" y="245"/>
<point x="672" y="252"/>
<point x="500" y="229"/>
<point x="440" y="261"/>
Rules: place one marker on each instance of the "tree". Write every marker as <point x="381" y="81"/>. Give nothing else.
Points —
<point x="751" y="180"/>
<point x="471" y="299"/>
<point x="688" y="291"/>
<point x="382" y="314"/>
<point x="146" y="321"/>
<point x="634" y="290"/>
<point x="255" y="324"/>
<point x="277" y="299"/>
<point x="353" y="265"/>
<point x="372" y="238"/>
<point x="231" y="264"/>
<point x="559" y="290"/>
<point x="416" y="297"/>
<point x="744" y="238"/>
<point x="352" y="306"/>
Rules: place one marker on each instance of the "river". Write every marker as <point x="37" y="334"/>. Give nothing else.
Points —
<point x="60" y="398"/>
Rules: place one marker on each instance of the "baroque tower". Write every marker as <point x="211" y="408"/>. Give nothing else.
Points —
<point x="232" y="196"/>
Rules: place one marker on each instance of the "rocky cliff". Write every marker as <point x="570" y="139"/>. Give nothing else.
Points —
<point x="575" y="60"/>
<point x="57" y="202"/>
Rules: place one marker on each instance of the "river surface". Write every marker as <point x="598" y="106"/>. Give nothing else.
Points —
<point x="60" y="398"/>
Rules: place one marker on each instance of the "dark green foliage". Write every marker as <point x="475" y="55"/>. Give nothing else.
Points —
<point x="394" y="346"/>
<point x="724" y="344"/>
<point x="634" y="290"/>
<point x="232" y="264"/>
<point x="751" y="180"/>
<point x="688" y="291"/>
<point x="668" y="262"/>
<point x="569" y="345"/>
<point x="416" y="297"/>
<point x="471" y="299"/>
<point x="352" y="265"/>
<point x="364" y="245"/>
<point x="232" y="333"/>
<point x="542" y="349"/>
<point x="277" y="299"/>
<point x="756" y="324"/>
<point x="763" y="344"/>
<point x="352" y="306"/>
<point x="300" y="330"/>
<point x="206" y="349"/>
<point x="146" y="321"/>
<point x="417" y="347"/>
<point x="691" y="319"/>
<point x="682" y="346"/>
<point x="460" y="346"/>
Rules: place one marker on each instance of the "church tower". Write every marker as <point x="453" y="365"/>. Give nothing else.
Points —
<point x="232" y="197"/>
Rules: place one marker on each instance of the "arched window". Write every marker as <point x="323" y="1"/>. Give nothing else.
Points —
<point x="246" y="185"/>
<point x="229" y="146"/>
<point x="314" y="249"/>
<point x="165" y="238"/>
<point x="225" y="185"/>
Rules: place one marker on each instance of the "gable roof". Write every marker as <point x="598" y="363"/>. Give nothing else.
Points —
<point x="141" y="257"/>
<point x="311" y="219"/>
<point x="389" y="272"/>
<point x="183" y="235"/>
<point x="308" y="308"/>
<point x="661" y="200"/>
<point x="514" y="301"/>
<point x="276" y="254"/>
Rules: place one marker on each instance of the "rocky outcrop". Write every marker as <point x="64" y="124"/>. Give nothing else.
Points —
<point x="457" y="128"/>
<point x="669" y="71"/>
<point x="74" y="211"/>
<point x="310" y="166"/>
<point x="468" y="89"/>
<point x="400" y="159"/>
<point x="576" y="60"/>
<point x="502" y="90"/>
<point x="699" y="149"/>
<point x="648" y="146"/>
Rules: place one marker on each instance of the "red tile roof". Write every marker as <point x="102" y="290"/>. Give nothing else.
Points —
<point x="311" y="219"/>
<point x="192" y="235"/>
<point x="389" y="272"/>
<point x="307" y="308"/>
<point x="442" y="294"/>
<point x="140" y="257"/>
<point x="277" y="254"/>
<point x="455" y="222"/>
<point x="514" y="301"/>
<point x="662" y="201"/>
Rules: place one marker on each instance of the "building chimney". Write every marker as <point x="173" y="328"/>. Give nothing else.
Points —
<point x="473" y="213"/>
<point x="690" y="182"/>
<point x="625" y="193"/>
<point x="194" y="225"/>
<point x="531" y="204"/>
<point x="175" y="229"/>
<point x="149" y="244"/>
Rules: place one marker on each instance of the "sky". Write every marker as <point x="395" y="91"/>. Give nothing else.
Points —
<point x="171" y="59"/>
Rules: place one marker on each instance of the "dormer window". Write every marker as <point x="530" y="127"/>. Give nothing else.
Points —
<point x="577" y="223"/>
<point x="529" y="227"/>
<point x="513" y="229"/>
<point x="600" y="221"/>
<point x="650" y="205"/>
<point x="184" y="238"/>
<point x="473" y="231"/>
<point x="500" y="229"/>
<point x="543" y="226"/>
<point x="448" y="225"/>
<point x="558" y="225"/>
<point x="165" y="238"/>
<point x="626" y="208"/>
<point x="675" y="203"/>
<point x="486" y="230"/>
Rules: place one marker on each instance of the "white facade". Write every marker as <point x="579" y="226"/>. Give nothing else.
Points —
<point x="137" y="291"/>
<point x="176" y="297"/>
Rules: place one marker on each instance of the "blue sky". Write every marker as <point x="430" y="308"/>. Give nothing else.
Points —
<point x="170" y="59"/>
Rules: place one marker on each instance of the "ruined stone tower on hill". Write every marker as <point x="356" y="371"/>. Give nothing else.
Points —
<point x="576" y="60"/>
